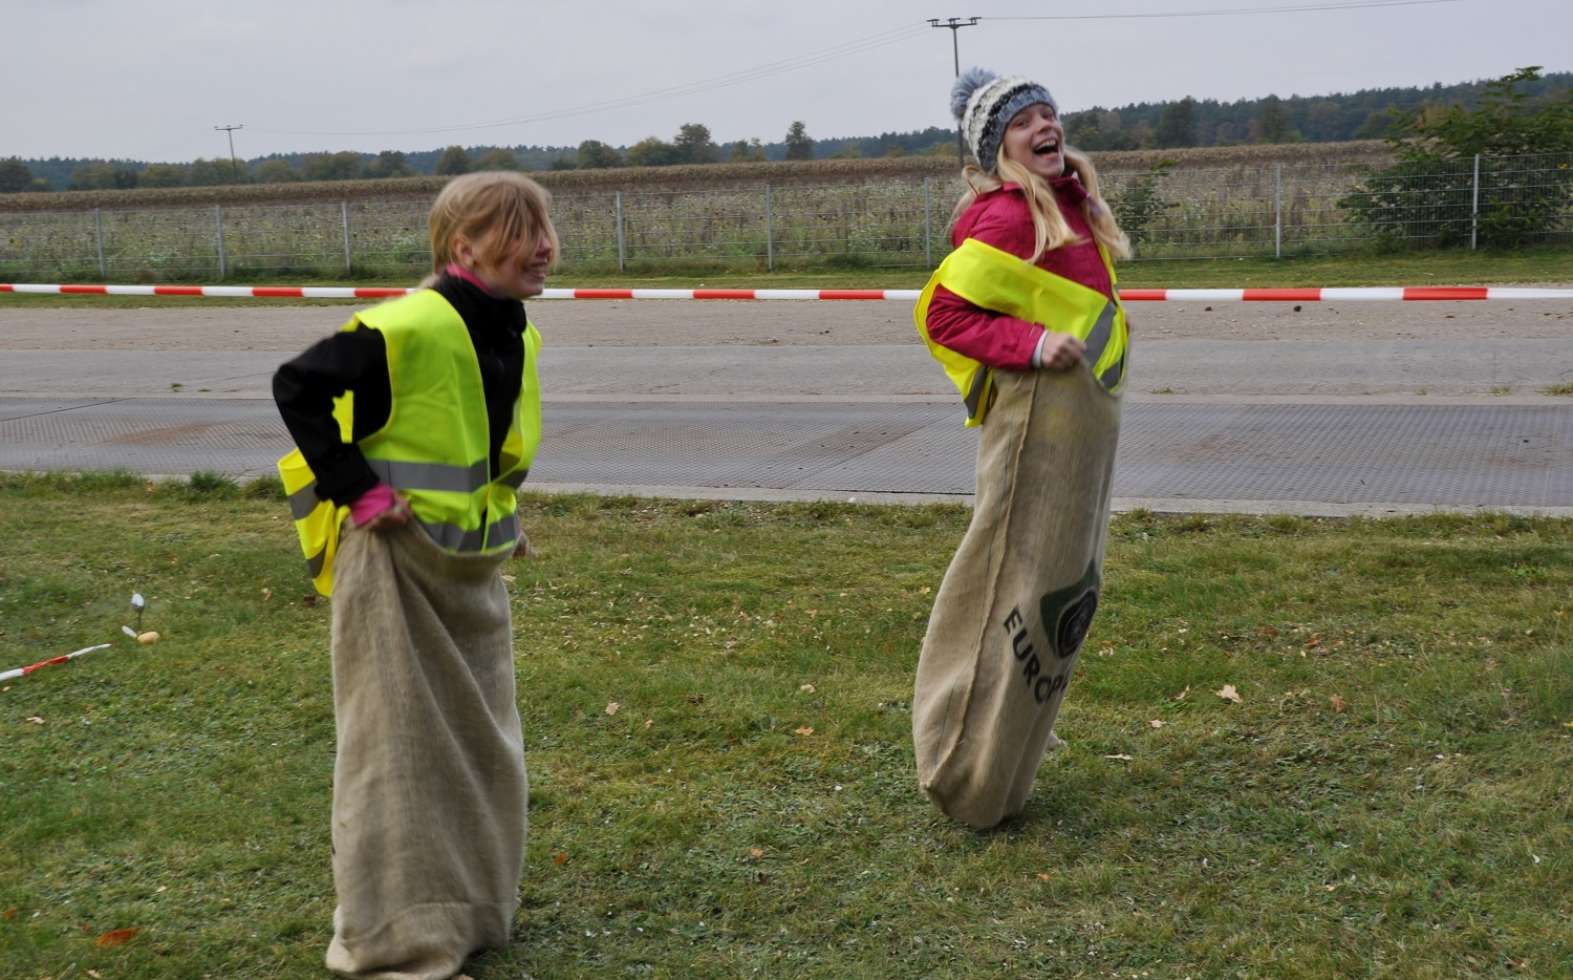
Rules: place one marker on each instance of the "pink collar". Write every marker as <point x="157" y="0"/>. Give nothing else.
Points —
<point x="455" y="269"/>
<point x="1068" y="185"/>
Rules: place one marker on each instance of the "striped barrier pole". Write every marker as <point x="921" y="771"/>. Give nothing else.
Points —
<point x="24" y="671"/>
<point x="1313" y="294"/>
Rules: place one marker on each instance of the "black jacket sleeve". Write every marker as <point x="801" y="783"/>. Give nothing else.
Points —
<point x="305" y="388"/>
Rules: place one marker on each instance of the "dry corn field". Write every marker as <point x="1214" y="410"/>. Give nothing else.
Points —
<point x="890" y="213"/>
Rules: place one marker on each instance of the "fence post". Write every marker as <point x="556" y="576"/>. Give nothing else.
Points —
<point x="98" y="235"/>
<point x="928" y="223"/>
<point x="344" y="213"/>
<point x="1278" y="210"/>
<point x="1474" y="206"/>
<point x="218" y="230"/>
<point x="770" y="242"/>
<point x="618" y="207"/>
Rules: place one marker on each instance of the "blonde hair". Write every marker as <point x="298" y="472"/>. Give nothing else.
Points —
<point x="1050" y="229"/>
<point x="494" y="210"/>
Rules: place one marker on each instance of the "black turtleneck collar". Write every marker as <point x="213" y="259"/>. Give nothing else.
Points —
<point x="479" y="309"/>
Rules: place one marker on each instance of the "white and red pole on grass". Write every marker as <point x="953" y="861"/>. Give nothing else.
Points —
<point x="1312" y="294"/>
<point x="137" y="603"/>
<point x="24" y="671"/>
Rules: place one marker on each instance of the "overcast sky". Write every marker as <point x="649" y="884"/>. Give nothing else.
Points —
<point x="143" y="80"/>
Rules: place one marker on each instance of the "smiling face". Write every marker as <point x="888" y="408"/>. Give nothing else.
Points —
<point x="495" y="225"/>
<point x="1035" y="139"/>
<point x="516" y="270"/>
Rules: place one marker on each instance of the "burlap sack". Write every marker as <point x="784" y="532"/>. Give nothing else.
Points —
<point x="429" y="786"/>
<point x="1018" y="597"/>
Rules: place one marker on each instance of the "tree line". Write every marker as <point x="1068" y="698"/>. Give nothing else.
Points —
<point x="1366" y="114"/>
<point x="692" y="144"/>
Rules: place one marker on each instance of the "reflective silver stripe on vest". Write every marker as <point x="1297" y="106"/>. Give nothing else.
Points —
<point x="315" y="562"/>
<point x="303" y="501"/>
<point x="514" y="479"/>
<point x="504" y="530"/>
<point x="1111" y="377"/>
<point x="430" y="476"/>
<point x="451" y="537"/>
<point x="1098" y="339"/>
<point x="974" y="396"/>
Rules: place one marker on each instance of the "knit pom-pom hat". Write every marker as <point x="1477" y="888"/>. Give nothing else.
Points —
<point x="984" y="104"/>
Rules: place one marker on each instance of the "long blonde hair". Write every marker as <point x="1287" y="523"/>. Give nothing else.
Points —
<point x="495" y="210"/>
<point x="1050" y="229"/>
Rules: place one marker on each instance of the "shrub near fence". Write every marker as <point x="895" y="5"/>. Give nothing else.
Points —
<point x="798" y="218"/>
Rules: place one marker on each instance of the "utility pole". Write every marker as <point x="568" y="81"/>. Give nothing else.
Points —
<point x="955" y="24"/>
<point x="234" y="168"/>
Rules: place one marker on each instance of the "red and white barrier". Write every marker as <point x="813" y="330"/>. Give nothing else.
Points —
<point x="1330" y="294"/>
<point x="1313" y="294"/>
<point x="24" y="671"/>
<point x="242" y="292"/>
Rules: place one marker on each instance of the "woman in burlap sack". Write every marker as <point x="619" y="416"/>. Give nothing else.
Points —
<point x="415" y="425"/>
<point x="1024" y="318"/>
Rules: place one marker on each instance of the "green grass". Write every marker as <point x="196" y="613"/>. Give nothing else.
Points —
<point x="1546" y="265"/>
<point x="1390" y="798"/>
<point x="1562" y="389"/>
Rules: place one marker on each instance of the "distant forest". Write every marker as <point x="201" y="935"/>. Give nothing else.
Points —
<point x="1366" y="114"/>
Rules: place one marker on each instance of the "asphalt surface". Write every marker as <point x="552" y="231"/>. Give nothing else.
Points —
<point x="1387" y="409"/>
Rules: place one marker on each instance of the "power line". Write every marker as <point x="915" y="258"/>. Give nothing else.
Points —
<point x="835" y="52"/>
<point x="955" y="24"/>
<point x="768" y="69"/>
<point x="1233" y="11"/>
<point x="234" y="168"/>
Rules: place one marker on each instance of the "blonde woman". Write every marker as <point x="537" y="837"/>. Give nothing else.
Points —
<point x="1036" y="198"/>
<point x="415" y="424"/>
<point x="1025" y="319"/>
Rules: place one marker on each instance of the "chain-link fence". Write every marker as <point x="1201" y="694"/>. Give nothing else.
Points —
<point x="1308" y="208"/>
<point x="1248" y="210"/>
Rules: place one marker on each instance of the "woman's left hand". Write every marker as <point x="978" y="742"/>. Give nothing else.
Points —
<point x="1061" y="351"/>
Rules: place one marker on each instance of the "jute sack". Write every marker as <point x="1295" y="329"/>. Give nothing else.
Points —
<point x="1019" y="596"/>
<point x="429" y="786"/>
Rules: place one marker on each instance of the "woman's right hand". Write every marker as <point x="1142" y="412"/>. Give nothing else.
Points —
<point x="1061" y="351"/>
<point x="379" y="508"/>
<point x="397" y="515"/>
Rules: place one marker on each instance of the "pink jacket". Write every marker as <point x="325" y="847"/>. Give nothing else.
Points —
<point x="1000" y="218"/>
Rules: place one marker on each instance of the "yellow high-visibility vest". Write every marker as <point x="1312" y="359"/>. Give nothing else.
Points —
<point x="996" y="280"/>
<point x="435" y="447"/>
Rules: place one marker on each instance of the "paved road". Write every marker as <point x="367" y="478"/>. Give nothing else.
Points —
<point x="1382" y="414"/>
<point x="1321" y="458"/>
<point x="1493" y="368"/>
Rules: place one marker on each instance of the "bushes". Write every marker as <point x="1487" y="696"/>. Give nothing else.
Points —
<point x="1141" y="202"/>
<point x="1432" y="196"/>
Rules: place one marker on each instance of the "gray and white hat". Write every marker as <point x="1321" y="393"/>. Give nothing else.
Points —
<point x="984" y="104"/>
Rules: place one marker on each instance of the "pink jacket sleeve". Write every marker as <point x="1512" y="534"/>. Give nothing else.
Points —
<point x="994" y="339"/>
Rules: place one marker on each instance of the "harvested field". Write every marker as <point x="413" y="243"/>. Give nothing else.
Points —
<point x="758" y="217"/>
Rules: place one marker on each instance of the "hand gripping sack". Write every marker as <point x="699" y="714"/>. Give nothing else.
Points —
<point x="1016" y="603"/>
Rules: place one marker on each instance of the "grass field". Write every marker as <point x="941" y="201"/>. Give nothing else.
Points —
<point x="716" y="709"/>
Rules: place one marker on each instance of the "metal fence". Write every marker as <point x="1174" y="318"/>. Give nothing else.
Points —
<point x="1309" y="208"/>
<point x="1249" y="210"/>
